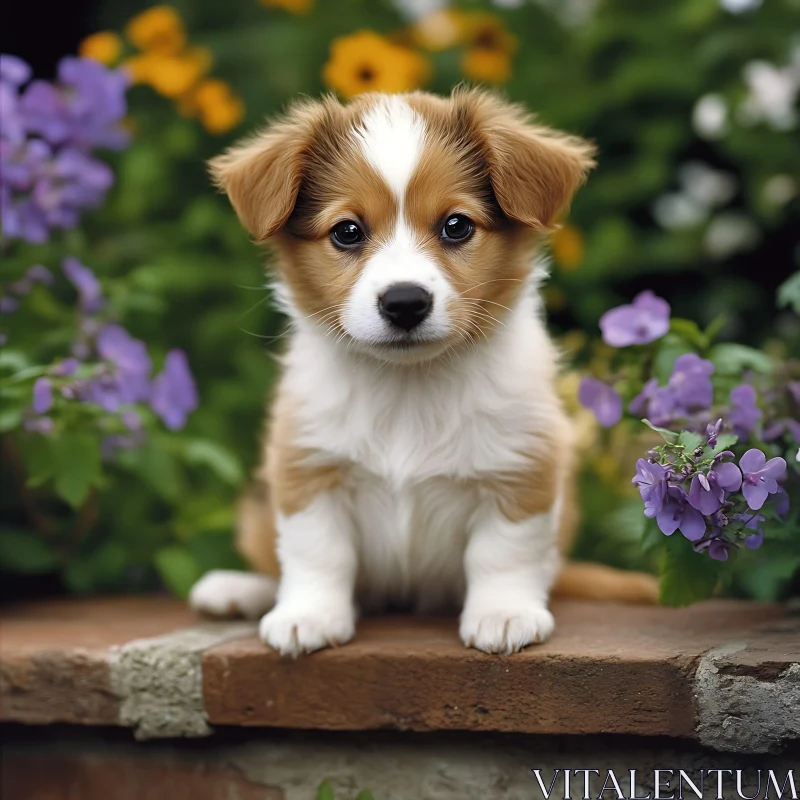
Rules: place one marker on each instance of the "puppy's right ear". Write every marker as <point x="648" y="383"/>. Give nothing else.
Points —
<point x="262" y="175"/>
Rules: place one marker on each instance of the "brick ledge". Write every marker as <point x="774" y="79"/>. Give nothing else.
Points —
<point x="724" y="672"/>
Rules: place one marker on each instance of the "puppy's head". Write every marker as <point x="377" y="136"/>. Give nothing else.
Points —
<point x="404" y="223"/>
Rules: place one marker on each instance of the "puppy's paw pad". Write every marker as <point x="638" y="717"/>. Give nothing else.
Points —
<point x="506" y="632"/>
<point x="295" y="631"/>
<point x="226" y="593"/>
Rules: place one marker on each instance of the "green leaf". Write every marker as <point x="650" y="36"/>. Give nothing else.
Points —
<point x="789" y="293"/>
<point x="157" y="467"/>
<point x="669" y="351"/>
<point x="724" y="442"/>
<point x="25" y="552"/>
<point x="178" y="569"/>
<point x="325" y="791"/>
<point x="667" y="436"/>
<point x="733" y="359"/>
<point x="690" y="331"/>
<point x="38" y="456"/>
<point x="13" y="360"/>
<point x="365" y="794"/>
<point x="690" y="440"/>
<point x="10" y="418"/>
<point x="686" y="576"/>
<point x="208" y="453"/>
<point x="77" y="466"/>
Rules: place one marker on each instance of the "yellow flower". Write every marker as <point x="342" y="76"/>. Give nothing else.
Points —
<point x="171" y="76"/>
<point x="368" y="62"/>
<point x="104" y="47"/>
<point x="441" y="29"/>
<point x="488" y="32"/>
<point x="159" y="29"/>
<point x="216" y="105"/>
<point x="567" y="246"/>
<point x="487" y="66"/>
<point x="292" y="6"/>
<point x="490" y="46"/>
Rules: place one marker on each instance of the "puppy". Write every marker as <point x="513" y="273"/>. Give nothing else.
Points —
<point x="418" y="454"/>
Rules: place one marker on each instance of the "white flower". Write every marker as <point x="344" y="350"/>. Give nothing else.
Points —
<point x="414" y="9"/>
<point x="772" y="94"/>
<point x="740" y="6"/>
<point x="780" y="189"/>
<point x="730" y="233"/>
<point x="677" y="210"/>
<point x="710" y="116"/>
<point x="707" y="186"/>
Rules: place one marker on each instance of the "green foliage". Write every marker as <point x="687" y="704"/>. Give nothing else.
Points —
<point x="325" y="792"/>
<point x="685" y="577"/>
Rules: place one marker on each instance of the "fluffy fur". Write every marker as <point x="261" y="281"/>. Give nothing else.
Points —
<point x="429" y="468"/>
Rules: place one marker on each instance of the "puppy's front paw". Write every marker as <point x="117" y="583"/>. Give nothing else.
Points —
<point x="505" y="631"/>
<point x="227" y="593"/>
<point x="291" y="629"/>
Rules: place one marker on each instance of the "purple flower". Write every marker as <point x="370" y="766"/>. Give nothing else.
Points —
<point x="40" y="274"/>
<point x="90" y="293"/>
<point x="602" y="400"/>
<point x="128" y="376"/>
<point x="13" y="73"/>
<point x="677" y="513"/>
<point x="42" y="395"/>
<point x="83" y="110"/>
<point x="794" y="391"/>
<point x="752" y="522"/>
<point x="760" y="477"/>
<point x="690" y="382"/>
<point x="65" y="367"/>
<point x="639" y="404"/>
<point x="718" y="549"/>
<point x="712" y="432"/>
<point x="43" y="425"/>
<point x="780" y="502"/>
<point x="14" y="70"/>
<point x="8" y="305"/>
<point x="645" y="320"/>
<point x="47" y="135"/>
<point x="174" y="392"/>
<point x="744" y="414"/>
<point x="708" y="491"/>
<point x="780" y="426"/>
<point x="651" y="480"/>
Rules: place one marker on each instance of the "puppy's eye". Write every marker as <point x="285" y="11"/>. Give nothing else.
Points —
<point x="347" y="234"/>
<point x="457" y="228"/>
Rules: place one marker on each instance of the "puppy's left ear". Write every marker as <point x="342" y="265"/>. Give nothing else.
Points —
<point x="534" y="170"/>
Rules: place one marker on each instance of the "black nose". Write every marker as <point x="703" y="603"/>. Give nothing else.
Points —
<point x="405" y="305"/>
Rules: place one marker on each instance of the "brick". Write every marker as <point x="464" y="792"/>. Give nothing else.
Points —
<point x="148" y="663"/>
<point x="607" y="669"/>
<point x="55" y="656"/>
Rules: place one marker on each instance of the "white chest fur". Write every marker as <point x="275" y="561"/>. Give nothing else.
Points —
<point x="416" y="442"/>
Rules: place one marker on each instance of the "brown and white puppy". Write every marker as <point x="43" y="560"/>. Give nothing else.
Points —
<point x="418" y="454"/>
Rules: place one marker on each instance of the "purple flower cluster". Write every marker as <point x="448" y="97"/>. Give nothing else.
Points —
<point x="710" y="499"/>
<point x="641" y="322"/>
<point x="47" y="135"/>
<point x="112" y="369"/>
<point x="688" y="392"/>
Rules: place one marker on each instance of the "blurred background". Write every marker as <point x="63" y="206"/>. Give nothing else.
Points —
<point x="693" y="105"/>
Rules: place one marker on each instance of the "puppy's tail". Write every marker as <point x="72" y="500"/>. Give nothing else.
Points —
<point x="581" y="580"/>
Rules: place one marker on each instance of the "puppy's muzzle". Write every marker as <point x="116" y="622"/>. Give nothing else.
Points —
<point x="405" y="305"/>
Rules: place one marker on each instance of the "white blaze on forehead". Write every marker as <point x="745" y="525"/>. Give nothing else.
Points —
<point x="391" y="137"/>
